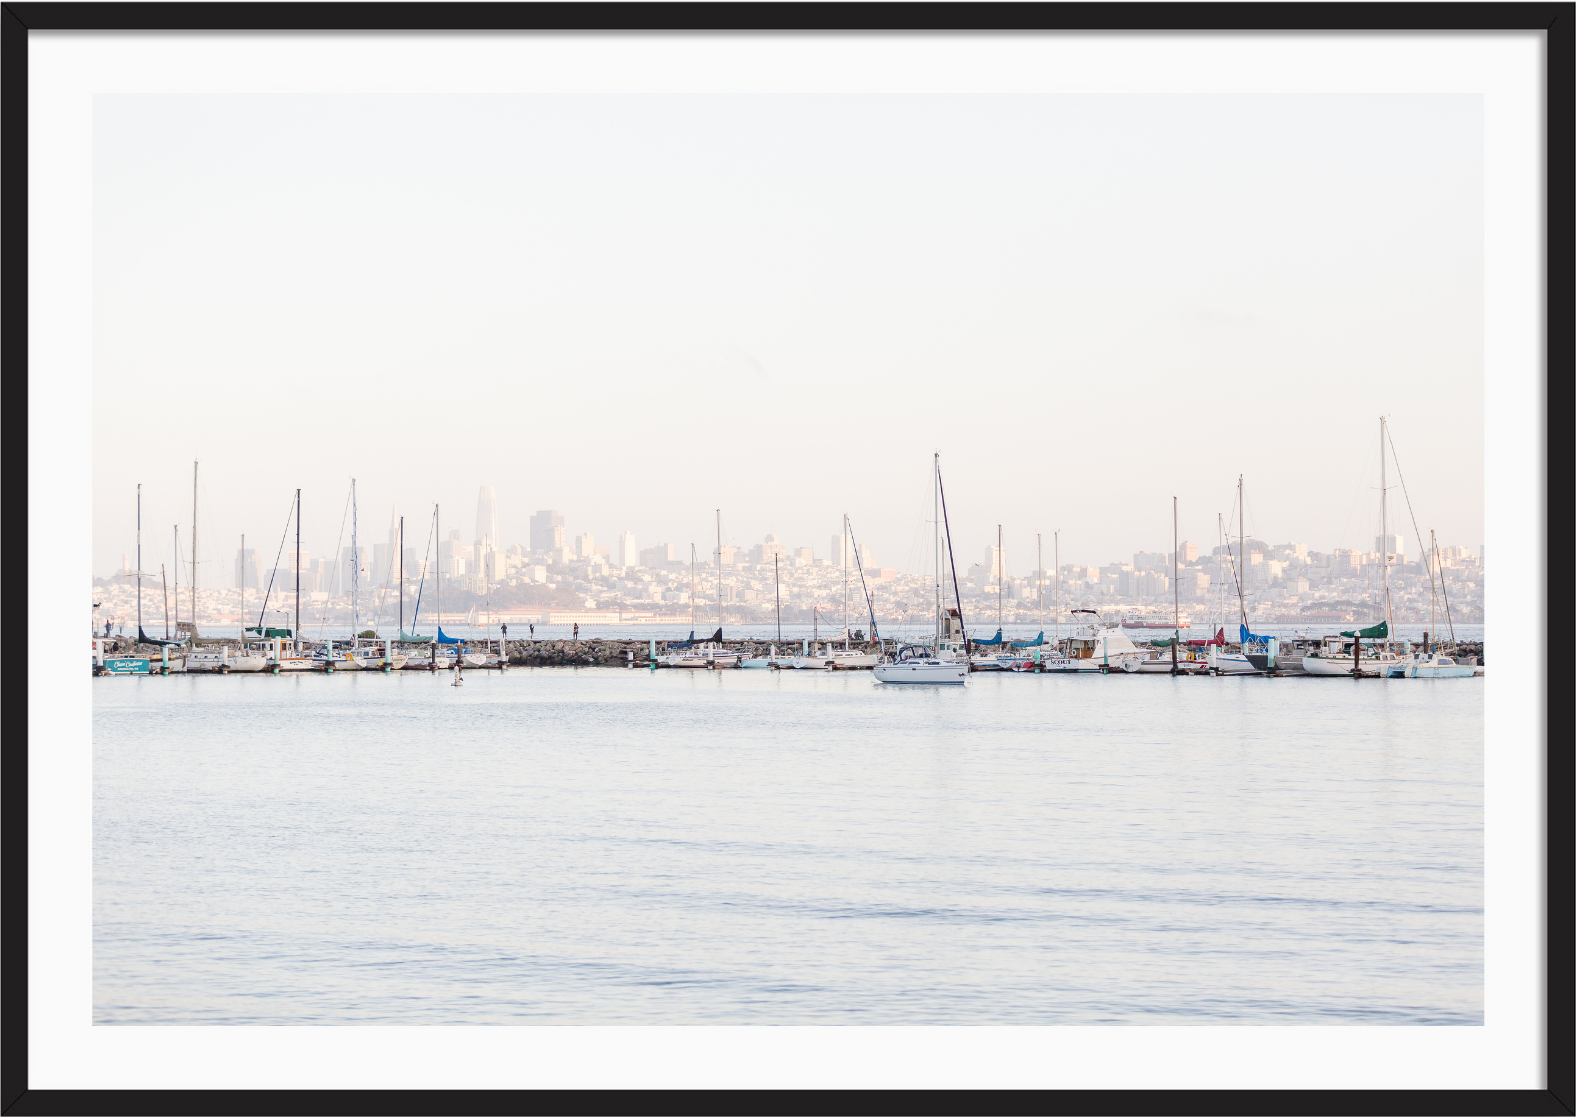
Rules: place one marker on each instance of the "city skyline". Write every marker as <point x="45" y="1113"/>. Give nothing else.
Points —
<point x="640" y="308"/>
<point x="159" y="548"/>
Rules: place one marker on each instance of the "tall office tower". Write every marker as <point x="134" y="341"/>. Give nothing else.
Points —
<point x="247" y="572"/>
<point x="487" y="516"/>
<point x="547" y="530"/>
<point x="585" y="545"/>
<point x="839" y="546"/>
<point x="659" y="555"/>
<point x="1396" y="547"/>
<point x="627" y="554"/>
<point x="992" y="562"/>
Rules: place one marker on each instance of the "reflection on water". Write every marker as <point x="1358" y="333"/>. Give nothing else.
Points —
<point x="614" y="846"/>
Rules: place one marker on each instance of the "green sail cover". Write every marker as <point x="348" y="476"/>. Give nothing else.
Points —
<point x="1379" y="631"/>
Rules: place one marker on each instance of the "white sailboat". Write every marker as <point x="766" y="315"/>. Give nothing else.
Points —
<point x="914" y="664"/>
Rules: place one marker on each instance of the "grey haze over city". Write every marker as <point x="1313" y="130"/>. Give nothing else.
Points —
<point x="638" y="305"/>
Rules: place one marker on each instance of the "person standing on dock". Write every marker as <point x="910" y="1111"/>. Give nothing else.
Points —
<point x="577" y="632"/>
<point x="532" y="627"/>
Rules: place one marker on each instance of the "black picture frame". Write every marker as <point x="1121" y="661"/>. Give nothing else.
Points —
<point x="1556" y="21"/>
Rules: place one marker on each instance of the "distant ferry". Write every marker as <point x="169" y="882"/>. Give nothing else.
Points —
<point x="1154" y="620"/>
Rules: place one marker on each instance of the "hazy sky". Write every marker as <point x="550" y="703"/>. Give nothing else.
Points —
<point x="640" y="305"/>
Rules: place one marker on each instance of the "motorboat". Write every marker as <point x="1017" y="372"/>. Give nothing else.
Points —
<point x="1436" y="666"/>
<point x="849" y="659"/>
<point x="770" y="660"/>
<point x="1189" y="662"/>
<point x="1097" y="646"/>
<point x="700" y="656"/>
<point x="813" y="659"/>
<point x="1001" y="661"/>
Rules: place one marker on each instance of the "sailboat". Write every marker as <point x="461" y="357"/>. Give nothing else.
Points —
<point x="771" y="658"/>
<point x="1344" y="655"/>
<point x="940" y="663"/>
<point x="997" y="661"/>
<point x="848" y="658"/>
<point x="1255" y="655"/>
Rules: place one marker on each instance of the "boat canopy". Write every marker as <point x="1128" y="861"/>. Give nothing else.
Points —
<point x="144" y="638"/>
<point x="715" y="638"/>
<point x="996" y="639"/>
<point x="270" y="633"/>
<point x="1250" y="638"/>
<point x="1035" y="643"/>
<point x="442" y="639"/>
<point x="1378" y="632"/>
<point x="404" y="639"/>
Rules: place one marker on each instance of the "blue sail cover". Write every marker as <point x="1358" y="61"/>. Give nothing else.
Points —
<point x="442" y="639"/>
<point x="1035" y="643"/>
<point x="1249" y="638"/>
<point x="996" y="639"/>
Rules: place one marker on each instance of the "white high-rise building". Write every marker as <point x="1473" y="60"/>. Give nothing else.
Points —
<point x="585" y="545"/>
<point x="487" y="518"/>
<point x="628" y="555"/>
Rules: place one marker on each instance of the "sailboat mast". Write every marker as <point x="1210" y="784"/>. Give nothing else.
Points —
<point x="1384" y="528"/>
<point x="402" y="577"/>
<point x="1433" y="594"/>
<point x="295" y="643"/>
<point x="1039" y="576"/>
<point x="243" y="591"/>
<point x="165" y="582"/>
<point x="355" y="571"/>
<point x="178" y="578"/>
<point x="693" y="589"/>
<point x="778" y="583"/>
<point x="1056" y="557"/>
<point x="194" y="545"/>
<point x="1176" y="590"/>
<point x="719" y="568"/>
<point x="1242" y="553"/>
<point x="844" y="549"/>
<point x="935" y="487"/>
<point x="1001" y="572"/>
<point x="139" y="561"/>
<point x="437" y="530"/>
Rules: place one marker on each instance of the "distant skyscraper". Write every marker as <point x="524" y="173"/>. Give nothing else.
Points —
<point x="247" y="573"/>
<point x="1397" y="547"/>
<point x="547" y="530"/>
<point x="627" y="555"/>
<point x="585" y="545"/>
<point x="487" y="516"/>
<point x="659" y="555"/>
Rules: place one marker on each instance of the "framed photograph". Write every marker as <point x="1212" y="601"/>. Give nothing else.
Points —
<point x="738" y="557"/>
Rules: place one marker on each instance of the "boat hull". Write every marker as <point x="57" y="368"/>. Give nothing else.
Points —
<point x="1341" y="666"/>
<point x="922" y="671"/>
<point x="853" y="661"/>
<point x="1423" y="671"/>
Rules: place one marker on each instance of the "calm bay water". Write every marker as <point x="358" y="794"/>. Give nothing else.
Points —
<point x="615" y="846"/>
